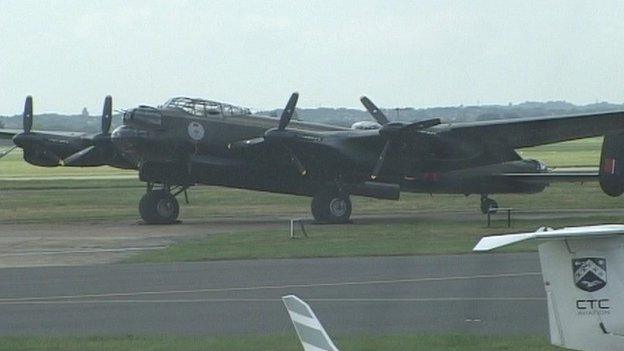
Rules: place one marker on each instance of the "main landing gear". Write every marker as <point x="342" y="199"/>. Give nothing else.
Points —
<point x="488" y="205"/>
<point x="160" y="206"/>
<point x="331" y="206"/>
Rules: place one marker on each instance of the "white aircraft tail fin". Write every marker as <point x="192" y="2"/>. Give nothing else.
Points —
<point x="583" y="273"/>
<point x="311" y="333"/>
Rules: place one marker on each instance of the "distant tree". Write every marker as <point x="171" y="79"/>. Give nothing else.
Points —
<point x="1" y="124"/>
<point x="85" y="112"/>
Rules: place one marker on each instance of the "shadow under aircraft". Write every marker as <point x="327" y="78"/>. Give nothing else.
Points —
<point x="188" y="142"/>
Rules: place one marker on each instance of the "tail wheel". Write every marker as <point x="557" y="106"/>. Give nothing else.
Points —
<point x="159" y="207"/>
<point x="331" y="207"/>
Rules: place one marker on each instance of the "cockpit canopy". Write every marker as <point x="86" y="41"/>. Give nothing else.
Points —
<point x="201" y="107"/>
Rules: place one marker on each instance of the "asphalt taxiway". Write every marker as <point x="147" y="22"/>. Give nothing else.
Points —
<point x="485" y="294"/>
<point x="54" y="283"/>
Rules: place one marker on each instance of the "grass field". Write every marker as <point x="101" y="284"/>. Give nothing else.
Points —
<point x="584" y="152"/>
<point x="409" y="237"/>
<point x="278" y="343"/>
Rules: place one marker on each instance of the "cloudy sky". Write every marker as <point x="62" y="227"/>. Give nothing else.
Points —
<point x="70" y="54"/>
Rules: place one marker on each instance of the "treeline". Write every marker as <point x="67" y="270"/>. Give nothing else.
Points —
<point x="346" y="117"/>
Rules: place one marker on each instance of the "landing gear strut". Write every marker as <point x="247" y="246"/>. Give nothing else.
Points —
<point x="488" y="205"/>
<point x="159" y="206"/>
<point x="331" y="206"/>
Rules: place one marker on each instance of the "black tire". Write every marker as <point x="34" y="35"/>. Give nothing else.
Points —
<point x="159" y="207"/>
<point x="317" y="209"/>
<point x="331" y="207"/>
<point x="488" y="205"/>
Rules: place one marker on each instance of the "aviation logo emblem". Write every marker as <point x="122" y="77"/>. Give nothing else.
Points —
<point x="590" y="273"/>
<point x="196" y="131"/>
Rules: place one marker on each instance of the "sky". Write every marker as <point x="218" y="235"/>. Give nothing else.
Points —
<point x="70" y="54"/>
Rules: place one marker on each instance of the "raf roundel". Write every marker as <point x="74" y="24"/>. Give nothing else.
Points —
<point x="196" y="131"/>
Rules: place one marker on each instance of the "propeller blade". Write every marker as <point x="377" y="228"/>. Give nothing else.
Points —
<point x="380" y="161"/>
<point x="8" y="151"/>
<point x="379" y="116"/>
<point x="288" y="112"/>
<point x="79" y="157"/>
<point x="107" y="114"/>
<point x="421" y="125"/>
<point x="27" y="116"/>
<point x="296" y="162"/>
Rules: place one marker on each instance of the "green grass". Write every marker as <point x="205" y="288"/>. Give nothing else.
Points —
<point x="277" y="343"/>
<point x="583" y="152"/>
<point x="407" y="237"/>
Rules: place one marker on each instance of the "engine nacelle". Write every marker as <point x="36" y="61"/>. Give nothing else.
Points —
<point x="611" y="172"/>
<point x="41" y="157"/>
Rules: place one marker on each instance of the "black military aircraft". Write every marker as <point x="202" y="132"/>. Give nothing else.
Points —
<point x="188" y="141"/>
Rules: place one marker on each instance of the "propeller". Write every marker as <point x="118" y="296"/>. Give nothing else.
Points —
<point x="288" y="112"/>
<point x="278" y="136"/>
<point x="374" y="111"/>
<point x="27" y="116"/>
<point x="393" y="131"/>
<point x="107" y="114"/>
<point x="2" y="154"/>
<point x="31" y="142"/>
<point x="101" y="148"/>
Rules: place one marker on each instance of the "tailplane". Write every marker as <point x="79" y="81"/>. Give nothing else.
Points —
<point x="583" y="271"/>
<point x="311" y="333"/>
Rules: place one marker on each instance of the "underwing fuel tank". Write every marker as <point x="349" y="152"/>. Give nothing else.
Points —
<point x="611" y="173"/>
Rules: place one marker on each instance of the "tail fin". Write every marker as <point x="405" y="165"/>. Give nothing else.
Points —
<point x="583" y="271"/>
<point x="309" y="330"/>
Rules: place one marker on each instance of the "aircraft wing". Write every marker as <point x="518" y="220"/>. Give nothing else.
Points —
<point x="10" y="133"/>
<point x="533" y="131"/>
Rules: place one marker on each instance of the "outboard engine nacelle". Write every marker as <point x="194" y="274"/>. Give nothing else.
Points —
<point x="41" y="157"/>
<point x="611" y="172"/>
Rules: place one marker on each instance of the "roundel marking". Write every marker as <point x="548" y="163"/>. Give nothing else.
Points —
<point x="196" y="131"/>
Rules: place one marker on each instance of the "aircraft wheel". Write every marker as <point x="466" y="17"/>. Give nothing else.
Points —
<point x="487" y="205"/>
<point x="159" y="207"/>
<point x="331" y="207"/>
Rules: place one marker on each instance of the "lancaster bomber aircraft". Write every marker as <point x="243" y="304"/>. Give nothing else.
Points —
<point x="188" y="141"/>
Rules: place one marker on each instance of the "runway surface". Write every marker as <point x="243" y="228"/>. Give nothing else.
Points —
<point x="485" y="294"/>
